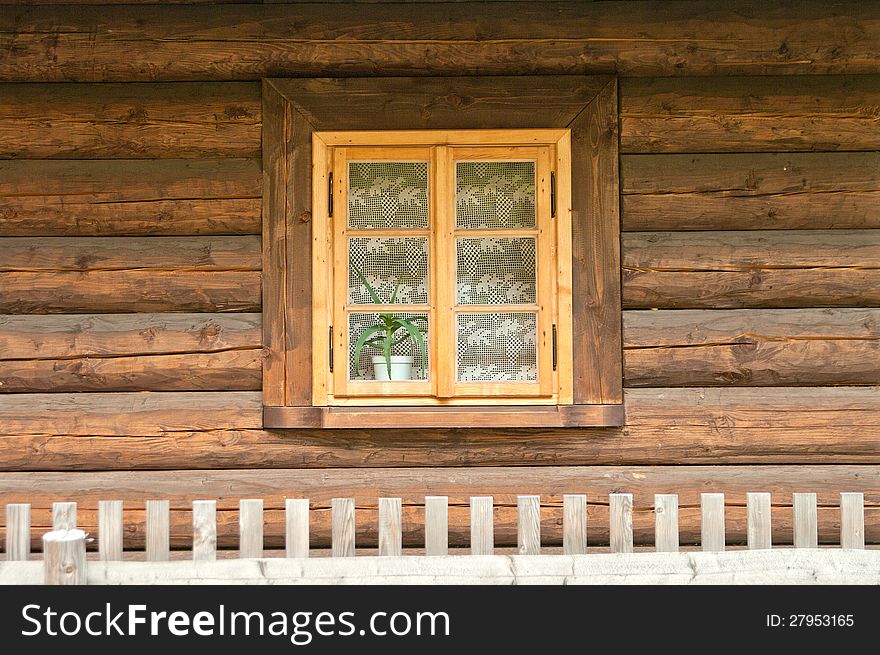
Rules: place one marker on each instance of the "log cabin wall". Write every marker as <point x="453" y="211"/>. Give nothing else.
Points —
<point x="130" y="185"/>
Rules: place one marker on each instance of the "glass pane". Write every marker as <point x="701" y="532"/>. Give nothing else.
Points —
<point x="496" y="271"/>
<point x="498" y="347"/>
<point x="387" y="195"/>
<point x="495" y="195"/>
<point x="386" y="264"/>
<point x="373" y="329"/>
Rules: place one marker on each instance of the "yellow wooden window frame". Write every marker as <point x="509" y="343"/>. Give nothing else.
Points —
<point x="551" y="151"/>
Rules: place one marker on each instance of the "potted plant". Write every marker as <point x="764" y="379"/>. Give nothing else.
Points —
<point x="391" y="331"/>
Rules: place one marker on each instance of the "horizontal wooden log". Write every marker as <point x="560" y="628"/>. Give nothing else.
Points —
<point x="664" y="426"/>
<point x="129" y="291"/>
<point x="230" y="42"/>
<point x="751" y="191"/>
<point x="127" y="253"/>
<point x="228" y="370"/>
<point x="81" y="335"/>
<point x="778" y="268"/>
<point x="130" y="197"/>
<point x="98" y="121"/>
<point x="366" y="486"/>
<point x="767" y="113"/>
<point x="747" y="347"/>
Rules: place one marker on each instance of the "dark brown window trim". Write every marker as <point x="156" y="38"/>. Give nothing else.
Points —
<point x="294" y="108"/>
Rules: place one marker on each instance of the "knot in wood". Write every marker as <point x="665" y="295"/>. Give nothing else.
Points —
<point x="305" y="216"/>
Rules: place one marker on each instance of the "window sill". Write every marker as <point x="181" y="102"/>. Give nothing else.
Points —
<point x="494" y="416"/>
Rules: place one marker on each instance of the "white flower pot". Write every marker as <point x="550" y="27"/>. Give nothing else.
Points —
<point x="401" y="367"/>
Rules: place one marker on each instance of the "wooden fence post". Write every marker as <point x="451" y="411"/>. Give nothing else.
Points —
<point x="18" y="532"/>
<point x="436" y="525"/>
<point x="63" y="516"/>
<point x="666" y="523"/>
<point x="204" y="525"/>
<point x="296" y="538"/>
<point x="390" y="528"/>
<point x="574" y="524"/>
<point x="482" y="526"/>
<point x="852" y="520"/>
<point x="158" y="536"/>
<point x="759" y="530"/>
<point x="64" y="557"/>
<point x="620" y="508"/>
<point x="712" y="532"/>
<point x="250" y="528"/>
<point x="528" y="534"/>
<point x="806" y="530"/>
<point x="343" y="530"/>
<point x="110" y="530"/>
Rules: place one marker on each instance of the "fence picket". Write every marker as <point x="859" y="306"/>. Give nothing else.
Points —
<point x="390" y="528"/>
<point x="204" y="524"/>
<point x="759" y="530"/>
<point x="574" y="524"/>
<point x="482" y="526"/>
<point x="250" y="528"/>
<point x="806" y="529"/>
<point x="110" y="530"/>
<point x="296" y="512"/>
<point x="158" y="541"/>
<point x="528" y="534"/>
<point x="712" y="532"/>
<point x="436" y="525"/>
<point x="64" y="557"/>
<point x="666" y="523"/>
<point x="18" y="532"/>
<point x="63" y="516"/>
<point x="852" y="520"/>
<point x="620" y="522"/>
<point x="343" y="529"/>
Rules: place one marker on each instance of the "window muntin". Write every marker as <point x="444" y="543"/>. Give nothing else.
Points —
<point x="464" y="236"/>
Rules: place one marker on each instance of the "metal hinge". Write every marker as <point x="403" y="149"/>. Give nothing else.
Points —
<point x="554" y="346"/>
<point x="552" y="196"/>
<point x="330" y="195"/>
<point x="331" y="348"/>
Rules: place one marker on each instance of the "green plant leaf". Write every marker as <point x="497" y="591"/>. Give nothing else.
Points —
<point x="416" y="334"/>
<point x="394" y="293"/>
<point x="373" y="294"/>
<point x="365" y="335"/>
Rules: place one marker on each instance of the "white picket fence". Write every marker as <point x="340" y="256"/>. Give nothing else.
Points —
<point x="64" y="547"/>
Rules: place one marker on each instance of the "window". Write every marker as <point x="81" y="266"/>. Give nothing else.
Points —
<point x="459" y="269"/>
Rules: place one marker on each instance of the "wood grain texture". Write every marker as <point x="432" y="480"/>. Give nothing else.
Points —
<point x="620" y="522"/>
<point x="204" y="530"/>
<point x="253" y="41"/>
<point x="250" y="526"/>
<point x="63" y="515"/>
<point x="596" y="360"/>
<point x="459" y="484"/>
<point x="110" y="530"/>
<point x="760" y="534"/>
<point x="139" y="290"/>
<point x="296" y="524"/>
<point x="778" y="268"/>
<point x="754" y="191"/>
<point x="729" y="114"/>
<point x="751" y="347"/>
<point x="158" y="530"/>
<point x="852" y="520"/>
<point x="436" y="525"/>
<point x="130" y="197"/>
<point x="666" y="523"/>
<point x="574" y="524"/>
<point x="528" y="531"/>
<point x="482" y="525"/>
<point x="129" y="121"/>
<point x="18" y="532"/>
<point x="713" y="534"/>
<point x="805" y="520"/>
<point x="390" y="530"/>
<point x="209" y="430"/>
<point x="344" y="527"/>
<point x="65" y="557"/>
